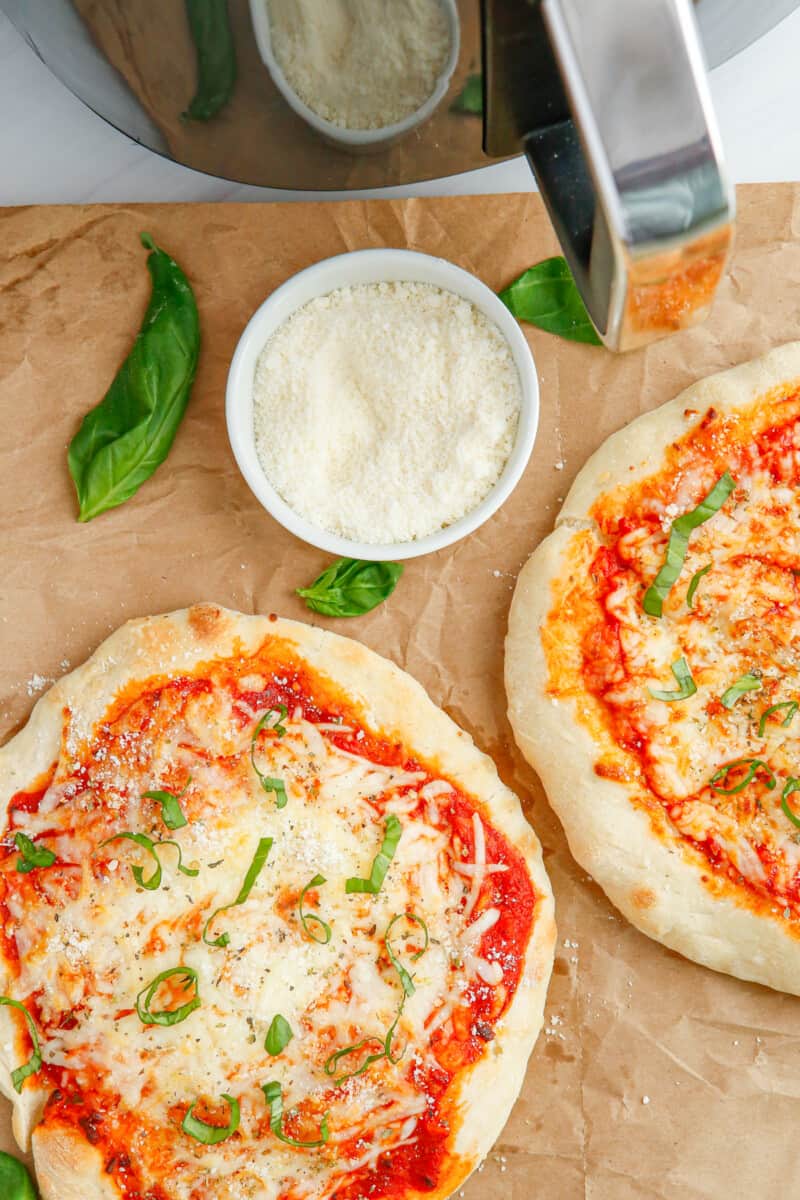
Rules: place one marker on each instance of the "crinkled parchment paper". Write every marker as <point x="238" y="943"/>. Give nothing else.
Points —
<point x="653" y="1078"/>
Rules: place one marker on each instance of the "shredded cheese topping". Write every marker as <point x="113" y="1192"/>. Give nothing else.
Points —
<point x="744" y="621"/>
<point x="90" y="940"/>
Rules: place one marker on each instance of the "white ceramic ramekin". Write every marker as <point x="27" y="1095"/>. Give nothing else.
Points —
<point x="358" y="141"/>
<point x="359" y="267"/>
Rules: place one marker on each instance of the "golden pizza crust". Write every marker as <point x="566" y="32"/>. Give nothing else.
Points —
<point x="642" y="864"/>
<point x="392" y="702"/>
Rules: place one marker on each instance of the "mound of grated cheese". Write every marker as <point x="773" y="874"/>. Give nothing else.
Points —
<point x="384" y="412"/>
<point x="360" y="64"/>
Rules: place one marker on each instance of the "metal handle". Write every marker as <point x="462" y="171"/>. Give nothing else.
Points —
<point x="628" y="158"/>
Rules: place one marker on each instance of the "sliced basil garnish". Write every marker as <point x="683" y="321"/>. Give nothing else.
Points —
<point x="253" y="872"/>
<point x="153" y="882"/>
<point x="754" y="765"/>
<point x="747" y="683"/>
<point x="212" y="1135"/>
<point x="678" y="543"/>
<point x="792" y="785"/>
<point x="391" y="838"/>
<point x="694" y="582"/>
<point x="279" y="1035"/>
<point x="686" y="685"/>
<point x="210" y="27"/>
<point x="273" y="718"/>
<point x="33" y="856"/>
<point x="273" y="1094"/>
<point x="332" y="1062"/>
<point x="791" y="707"/>
<point x="351" y="586"/>
<point x="168" y="1016"/>
<point x="405" y="977"/>
<point x="305" y="917"/>
<point x="34" y="1063"/>
<point x="171" y="812"/>
<point x="470" y="98"/>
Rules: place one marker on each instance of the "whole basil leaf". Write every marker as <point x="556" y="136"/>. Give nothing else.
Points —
<point x="546" y="296"/>
<point x="351" y="586"/>
<point x="122" y="441"/>
<point x="216" y="57"/>
<point x="15" y="1182"/>
<point x="470" y="98"/>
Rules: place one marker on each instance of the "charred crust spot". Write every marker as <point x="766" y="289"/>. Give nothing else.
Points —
<point x="644" y="897"/>
<point x="484" y="1031"/>
<point x="89" y="1126"/>
<point x="205" y="621"/>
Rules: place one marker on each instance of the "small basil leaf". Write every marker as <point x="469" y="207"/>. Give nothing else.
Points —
<point x="122" y="441"/>
<point x="278" y="1036"/>
<point x="15" y="1182"/>
<point x="470" y="98"/>
<point x="351" y="586"/>
<point x="546" y="296"/>
<point x="32" y="855"/>
<point x="216" y="57"/>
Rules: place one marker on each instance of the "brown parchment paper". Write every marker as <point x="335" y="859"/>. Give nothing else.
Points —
<point x="653" y="1078"/>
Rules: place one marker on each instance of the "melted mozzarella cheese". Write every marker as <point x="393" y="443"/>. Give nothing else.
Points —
<point x="745" y="620"/>
<point x="108" y="939"/>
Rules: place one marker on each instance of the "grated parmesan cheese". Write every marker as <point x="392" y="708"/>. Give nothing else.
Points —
<point x="360" y="64"/>
<point x="385" y="412"/>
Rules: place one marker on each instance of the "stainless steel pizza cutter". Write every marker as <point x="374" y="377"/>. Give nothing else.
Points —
<point x="610" y="102"/>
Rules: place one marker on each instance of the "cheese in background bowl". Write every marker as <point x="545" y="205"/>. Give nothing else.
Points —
<point x="382" y="404"/>
<point x="361" y="73"/>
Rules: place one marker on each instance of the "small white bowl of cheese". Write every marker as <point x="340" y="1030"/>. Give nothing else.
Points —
<point x="362" y="76"/>
<point x="382" y="404"/>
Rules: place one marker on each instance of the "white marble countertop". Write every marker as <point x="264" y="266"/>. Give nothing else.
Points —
<point x="55" y="150"/>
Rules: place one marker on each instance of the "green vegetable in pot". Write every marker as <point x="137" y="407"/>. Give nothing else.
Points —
<point x="351" y="586"/>
<point x="546" y="295"/>
<point x="122" y="441"/>
<point x="15" y="1182"/>
<point x="470" y="98"/>
<point x="216" y="57"/>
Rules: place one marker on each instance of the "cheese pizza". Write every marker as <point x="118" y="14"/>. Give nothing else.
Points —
<point x="653" y="670"/>
<point x="272" y="927"/>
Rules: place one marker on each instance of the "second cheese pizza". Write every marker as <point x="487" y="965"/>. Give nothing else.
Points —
<point x="271" y="925"/>
<point x="653" y="670"/>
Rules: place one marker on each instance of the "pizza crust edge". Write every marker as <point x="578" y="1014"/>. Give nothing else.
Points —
<point x="393" y="701"/>
<point x="649" y="878"/>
